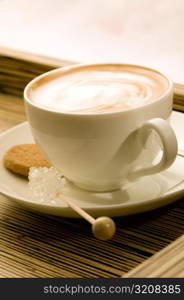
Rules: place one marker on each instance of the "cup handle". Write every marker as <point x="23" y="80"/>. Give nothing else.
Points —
<point x="169" y="146"/>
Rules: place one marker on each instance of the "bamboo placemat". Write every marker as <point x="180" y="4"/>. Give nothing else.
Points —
<point x="34" y="245"/>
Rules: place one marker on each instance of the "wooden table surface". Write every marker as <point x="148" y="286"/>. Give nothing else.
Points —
<point x="35" y="245"/>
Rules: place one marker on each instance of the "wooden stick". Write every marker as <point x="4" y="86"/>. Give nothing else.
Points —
<point x="79" y="210"/>
<point x="103" y="228"/>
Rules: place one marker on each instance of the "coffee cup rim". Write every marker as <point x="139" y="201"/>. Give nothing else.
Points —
<point x="95" y="114"/>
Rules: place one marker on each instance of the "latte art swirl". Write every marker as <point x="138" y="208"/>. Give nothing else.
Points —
<point x="101" y="90"/>
<point x="101" y="95"/>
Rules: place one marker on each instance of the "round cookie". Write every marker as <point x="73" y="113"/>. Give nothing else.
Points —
<point x="20" y="158"/>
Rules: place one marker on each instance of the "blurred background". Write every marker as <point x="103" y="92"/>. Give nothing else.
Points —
<point x="148" y="32"/>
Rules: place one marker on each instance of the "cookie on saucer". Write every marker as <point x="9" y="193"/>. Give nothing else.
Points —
<point x="20" y="158"/>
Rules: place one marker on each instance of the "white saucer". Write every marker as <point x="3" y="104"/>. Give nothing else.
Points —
<point x="146" y="194"/>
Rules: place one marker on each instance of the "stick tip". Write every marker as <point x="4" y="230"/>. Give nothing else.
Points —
<point x="103" y="228"/>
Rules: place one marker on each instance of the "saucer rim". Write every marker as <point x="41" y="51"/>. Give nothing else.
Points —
<point x="137" y="204"/>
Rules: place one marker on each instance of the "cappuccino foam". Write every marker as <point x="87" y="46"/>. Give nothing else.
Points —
<point x="99" y="89"/>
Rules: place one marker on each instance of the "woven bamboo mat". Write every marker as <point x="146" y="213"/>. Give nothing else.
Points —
<point x="35" y="245"/>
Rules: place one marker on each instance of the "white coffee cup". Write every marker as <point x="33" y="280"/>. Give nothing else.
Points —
<point x="103" y="151"/>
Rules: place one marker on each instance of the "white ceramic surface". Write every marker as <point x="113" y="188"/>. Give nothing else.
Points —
<point x="103" y="151"/>
<point x="146" y="194"/>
